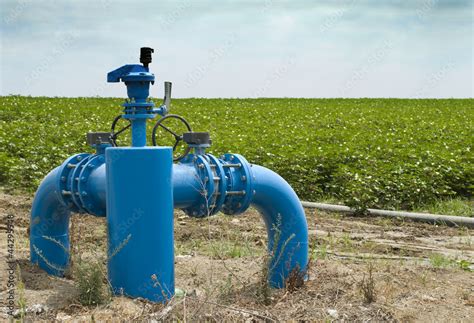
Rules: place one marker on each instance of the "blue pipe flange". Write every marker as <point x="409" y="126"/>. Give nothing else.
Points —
<point x="86" y="194"/>
<point x="73" y="181"/>
<point x="239" y="184"/>
<point x="206" y="187"/>
<point x="136" y="110"/>
<point x="220" y="181"/>
<point x="64" y="181"/>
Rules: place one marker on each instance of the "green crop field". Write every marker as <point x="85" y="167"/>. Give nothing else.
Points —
<point x="386" y="153"/>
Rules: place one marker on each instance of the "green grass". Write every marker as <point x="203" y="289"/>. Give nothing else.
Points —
<point x="380" y="153"/>
<point x="223" y="248"/>
<point x="440" y="261"/>
<point x="457" y="206"/>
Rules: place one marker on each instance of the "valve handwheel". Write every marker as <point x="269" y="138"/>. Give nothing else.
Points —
<point x="113" y="134"/>
<point x="180" y="148"/>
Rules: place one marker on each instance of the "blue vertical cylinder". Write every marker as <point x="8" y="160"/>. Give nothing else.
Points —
<point x="139" y="195"/>
<point x="139" y="132"/>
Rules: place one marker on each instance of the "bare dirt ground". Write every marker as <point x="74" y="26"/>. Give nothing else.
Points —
<point x="415" y="272"/>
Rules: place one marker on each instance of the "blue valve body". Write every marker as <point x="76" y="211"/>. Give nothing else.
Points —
<point x="138" y="109"/>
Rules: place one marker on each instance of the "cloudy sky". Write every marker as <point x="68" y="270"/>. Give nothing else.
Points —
<point x="268" y="48"/>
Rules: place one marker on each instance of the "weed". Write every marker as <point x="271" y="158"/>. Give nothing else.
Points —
<point x="226" y="294"/>
<point x="346" y="242"/>
<point x="264" y="289"/>
<point x="319" y="252"/>
<point x="89" y="279"/>
<point x="466" y="237"/>
<point x="165" y="292"/>
<point x="323" y="251"/>
<point x="295" y="279"/>
<point x="367" y="285"/>
<point x="228" y="249"/>
<point x="464" y="265"/>
<point x="439" y="261"/>
<point x="21" y="294"/>
<point x="193" y="271"/>
<point x="384" y="222"/>
<point x="332" y="241"/>
<point x="455" y="206"/>
<point x="369" y="245"/>
<point x="424" y="278"/>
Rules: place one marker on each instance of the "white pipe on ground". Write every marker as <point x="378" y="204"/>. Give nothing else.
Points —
<point x="421" y="217"/>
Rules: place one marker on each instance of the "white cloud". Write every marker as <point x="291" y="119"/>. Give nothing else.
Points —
<point x="328" y="40"/>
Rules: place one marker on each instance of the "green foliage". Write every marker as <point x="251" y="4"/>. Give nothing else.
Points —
<point x="380" y="153"/>
<point x="21" y="294"/>
<point x="231" y="249"/>
<point x="464" y="265"/>
<point x="89" y="280"/>
<point x="456" y="206"/>
<point x="439" y="261"/>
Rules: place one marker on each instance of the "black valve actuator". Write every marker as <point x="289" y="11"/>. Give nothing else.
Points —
<point x="145" y="55"/>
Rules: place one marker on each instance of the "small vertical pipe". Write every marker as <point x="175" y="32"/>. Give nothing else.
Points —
<point x="138" y="132"/>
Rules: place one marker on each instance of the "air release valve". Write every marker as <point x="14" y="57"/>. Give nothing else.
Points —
<point x="145" y="55"/>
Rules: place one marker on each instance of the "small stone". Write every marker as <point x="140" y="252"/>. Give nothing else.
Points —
<point x="333" y="313"/>
<point x="63" y="317"/>
<point x="34" y="309"/>
<point x="37" y="308"/>
<point x="178" y="292"/>
<point x="428" y="298"/>
<point x="192" y="293"/>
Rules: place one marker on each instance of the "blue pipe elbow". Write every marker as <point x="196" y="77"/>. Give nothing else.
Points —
<point x="286" y="225"/>
<point x="49" y="227"/>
